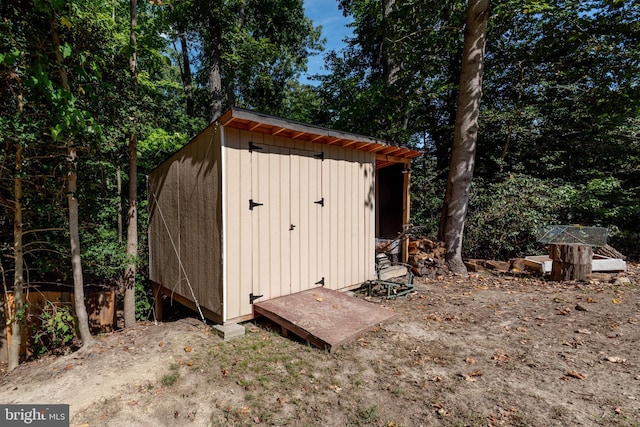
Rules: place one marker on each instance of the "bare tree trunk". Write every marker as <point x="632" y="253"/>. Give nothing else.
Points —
<point x="187" y="79"/>
<point x="132" y="212"/>
<point x="119" y="186"/>
<point x="18" y="316"/>
<point x="232" y="76"/>
<point x="74" y="233"/>
<point x="466" y="132"/>
<point x="391" y="67"/>
<point x="215" y="57"/>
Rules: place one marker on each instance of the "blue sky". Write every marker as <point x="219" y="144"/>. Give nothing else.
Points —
<point x="334" y="29"/>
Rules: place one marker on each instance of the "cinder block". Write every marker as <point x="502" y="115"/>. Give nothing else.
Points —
<point x="228" y="332"/>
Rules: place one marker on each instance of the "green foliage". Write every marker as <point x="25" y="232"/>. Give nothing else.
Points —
<point x="426" y="195"/>
<point x="143" y="301"/>
<point x="504" y="216"/>
<point x="56" y="330"/>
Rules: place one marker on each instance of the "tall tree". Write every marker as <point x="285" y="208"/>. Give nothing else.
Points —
<point x="72" y="177"/>
<point x="18" y="253"/>
<point x="215" y="58"/>
<point x="132" y="211"/>
<point x="456" y="199"/>
<point x="393" y="80"/>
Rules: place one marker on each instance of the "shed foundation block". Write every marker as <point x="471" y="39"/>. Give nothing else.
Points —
<point x="228" y="332"/>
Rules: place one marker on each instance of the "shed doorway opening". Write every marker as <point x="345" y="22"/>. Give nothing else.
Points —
<point x="390" y="181"/>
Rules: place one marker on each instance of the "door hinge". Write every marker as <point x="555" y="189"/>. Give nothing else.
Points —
<point x="320" y="202"/>
<point x="253" y="146"/>
<point x="253" y="297"/>
<point x="319" y="156"/>
<point x="253" y="204"/>
<point x="292" y="227"/>
<point x="320" y="282"/>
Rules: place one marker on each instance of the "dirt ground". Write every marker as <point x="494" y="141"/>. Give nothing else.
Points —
<point x="483" y="350"/>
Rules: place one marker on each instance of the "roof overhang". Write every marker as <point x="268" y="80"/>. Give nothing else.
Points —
<point x="386" y="154"/>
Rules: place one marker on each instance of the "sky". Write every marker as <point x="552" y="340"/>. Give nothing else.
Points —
<point x="334" y="29"/>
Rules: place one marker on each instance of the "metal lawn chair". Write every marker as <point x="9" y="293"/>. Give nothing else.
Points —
<point x="393" y="278"/>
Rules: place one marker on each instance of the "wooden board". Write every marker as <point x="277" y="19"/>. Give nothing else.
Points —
<point x="323" y="317"/>
<point x="600" y="263"/>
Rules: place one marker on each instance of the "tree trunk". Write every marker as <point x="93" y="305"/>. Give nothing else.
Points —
<point x="215" y="56"/>
<point x="132" y="212"/>
<point x="187" y="79"/>
<point x="76" y="262"/>
<point x="18" y="314"/>
<point x="465" y="135"/>
<point x="119" y="187"/>
<point x="74" y="233"/>
<point x="391" y="67"/>
<point x="232" y="77"/>
<point x="570" y="262"/>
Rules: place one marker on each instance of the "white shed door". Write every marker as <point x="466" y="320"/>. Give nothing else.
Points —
<point x="286" y="210"/>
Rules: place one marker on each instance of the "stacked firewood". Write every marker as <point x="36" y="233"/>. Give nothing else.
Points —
<point x="610" y="252"/>
<point x="426" y="257"/>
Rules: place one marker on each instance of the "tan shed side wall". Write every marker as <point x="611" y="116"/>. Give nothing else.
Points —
<point x="185" y="223"/>
<point x="335" y="242"/>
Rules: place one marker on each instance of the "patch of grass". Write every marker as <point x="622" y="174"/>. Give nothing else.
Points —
<point x="369" y="415"/>
<point x="171" y="378"/>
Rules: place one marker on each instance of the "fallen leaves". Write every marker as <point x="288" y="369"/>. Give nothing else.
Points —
<point x="615" y="359"/>
<point x="576" y="374"/>
<point x="335" y="388"/>
<point x="500" y="357"/>
<point x="471" y="376"/>
<point x="440" y="409"/>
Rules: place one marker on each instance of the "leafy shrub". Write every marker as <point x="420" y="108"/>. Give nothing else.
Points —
<point x="56" y="330"/>
<point x="503" y="216"/>
<point x="427" y="192"/>
<point x="143" y="301"/>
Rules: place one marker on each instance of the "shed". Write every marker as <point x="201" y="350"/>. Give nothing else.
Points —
<point x="256" y="207"/>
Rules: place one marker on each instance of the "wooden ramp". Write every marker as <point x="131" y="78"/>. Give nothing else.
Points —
<point x="323" y="317"/>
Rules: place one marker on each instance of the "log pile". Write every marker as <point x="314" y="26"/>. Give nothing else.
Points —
<point x="610" y="251"/>
<point x="427" y="257"/>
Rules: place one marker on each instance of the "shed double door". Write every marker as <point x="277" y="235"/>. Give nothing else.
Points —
<point x="286" y="211"/>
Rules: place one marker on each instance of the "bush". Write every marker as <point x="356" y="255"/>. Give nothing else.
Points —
<point x="504" y="216"/>
<point x="56" y="330"/>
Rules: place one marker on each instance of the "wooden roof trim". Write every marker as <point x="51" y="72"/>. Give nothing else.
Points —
<point x="263" y="123"/>
<point x="297" y="135"/>
<point x="386" y="158"/>
<point x="333" y="141"/>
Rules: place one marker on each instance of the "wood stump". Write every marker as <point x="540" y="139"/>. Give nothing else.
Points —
<point x="570" y="262"/>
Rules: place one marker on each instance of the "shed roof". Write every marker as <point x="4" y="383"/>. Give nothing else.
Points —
<point x="386" y="153"/>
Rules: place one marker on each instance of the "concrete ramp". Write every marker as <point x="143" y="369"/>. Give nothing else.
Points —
<point x="323" y="317"/>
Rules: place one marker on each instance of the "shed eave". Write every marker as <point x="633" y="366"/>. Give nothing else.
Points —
<point x="263" y="123"/>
